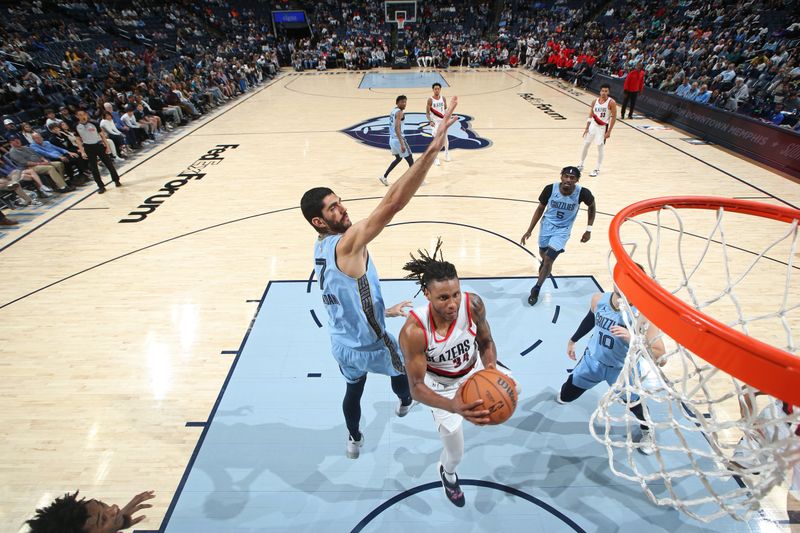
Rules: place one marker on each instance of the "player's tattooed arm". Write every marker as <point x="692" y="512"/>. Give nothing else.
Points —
<point x="483" y="335"/>
<point x="413" y="343"/>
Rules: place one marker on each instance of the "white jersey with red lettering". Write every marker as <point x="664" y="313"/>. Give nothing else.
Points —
<point x="450" y="359"/>
<point x="437" y="108"/>
<point x="601" y="114"/>
<point x="453" y="355"/>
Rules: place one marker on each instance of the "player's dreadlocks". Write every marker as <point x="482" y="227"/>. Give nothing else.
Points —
<point x="428" y="267"/>
<point x="67" y="514"/>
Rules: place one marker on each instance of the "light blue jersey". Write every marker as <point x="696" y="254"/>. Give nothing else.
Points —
<point x="605" y="354"/>
<point x="392" y="118"/>
<point x="562" y="210"/>
<point x="604" y="346"/>
<point x="355" y="316"/>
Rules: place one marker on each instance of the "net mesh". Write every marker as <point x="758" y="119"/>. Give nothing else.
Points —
<point x="719" y="446"/>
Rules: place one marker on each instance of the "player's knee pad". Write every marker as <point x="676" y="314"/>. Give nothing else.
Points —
<point x="551" y="254"/>
<point x="569" y="391"/>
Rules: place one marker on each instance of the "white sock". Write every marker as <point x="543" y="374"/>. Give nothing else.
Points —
<point x="453" y="450"/>
<point x="585" y="152"/>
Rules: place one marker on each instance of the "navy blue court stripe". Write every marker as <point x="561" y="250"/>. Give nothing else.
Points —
<point x="249" y="217"/>
<point x="530" y="348"/>
<point x="252" y="301"/>
<point x="228" y="352"/>
<point x="196" y="424"/>
<point x="314" y="316"/>
<point x="436" y="485"/>
<point x="314" y="375"/>
<point x="88" y="208"/>
<point x="310" y="281"/>
<point x="200" y="441"/>
<point x="555" y="316"/>
<point x="553" y="279"/>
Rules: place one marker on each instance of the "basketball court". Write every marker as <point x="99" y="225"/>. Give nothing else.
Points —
<point x="167" y="335"/>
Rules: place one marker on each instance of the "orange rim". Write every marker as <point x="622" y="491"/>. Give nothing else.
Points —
<point x="767" y="368"/>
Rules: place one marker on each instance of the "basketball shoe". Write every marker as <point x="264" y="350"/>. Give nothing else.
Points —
<point x="594" y="173"/>
<point x="534" y="297"/>
<point x="353" y="446"/>
<point x="384" y="180"/>
<point x="452" y="490"/>
<point x="647" y="445"/>
<point x="402" y="410"/>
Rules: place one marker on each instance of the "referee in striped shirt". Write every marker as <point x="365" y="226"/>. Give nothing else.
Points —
<point x="93" y="145"/>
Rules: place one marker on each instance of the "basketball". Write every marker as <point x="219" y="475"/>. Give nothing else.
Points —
<point x="497" y="390"/>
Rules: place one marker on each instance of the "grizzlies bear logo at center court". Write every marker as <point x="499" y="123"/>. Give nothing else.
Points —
<point x="417" y="132"/>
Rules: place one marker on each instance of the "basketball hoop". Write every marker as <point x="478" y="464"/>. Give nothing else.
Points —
<point x="718" y="401"/>
<point x="401" y="19"/>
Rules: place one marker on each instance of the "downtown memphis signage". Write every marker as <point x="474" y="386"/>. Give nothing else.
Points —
<point x="194" y="172"/>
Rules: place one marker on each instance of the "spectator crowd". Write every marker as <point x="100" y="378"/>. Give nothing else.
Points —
<point x="141" y="69"/>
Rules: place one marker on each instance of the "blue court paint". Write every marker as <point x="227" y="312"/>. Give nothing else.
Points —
<point x="272" y="455"/>
<point x="555" y="315"/>
<point x="403" y="80"/>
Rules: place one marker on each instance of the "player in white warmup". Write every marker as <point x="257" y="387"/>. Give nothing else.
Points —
<point x="441" y="342"/>
<point x="602" y="117"/>
<point x="434" y="110"/>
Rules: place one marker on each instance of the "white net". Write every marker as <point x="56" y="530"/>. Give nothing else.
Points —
<point x="718" y="444"/>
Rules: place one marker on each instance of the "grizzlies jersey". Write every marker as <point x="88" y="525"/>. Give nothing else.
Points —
<point x="392" y="118"/>
<point x="455" y="354"/>
<point x="604" y="346"/>
<point x="355" y="306"/>
<point x="562" y="210"/>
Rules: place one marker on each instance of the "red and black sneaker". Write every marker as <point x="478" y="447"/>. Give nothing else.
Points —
<point x="452" y="490"/>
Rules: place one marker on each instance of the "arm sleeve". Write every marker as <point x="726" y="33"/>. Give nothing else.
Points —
<point x="547" y="192"/>
<point x="586" y="196"/>
<point x="586" y="326"/>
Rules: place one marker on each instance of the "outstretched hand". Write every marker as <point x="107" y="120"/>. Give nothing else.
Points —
<point x="134" y="506"/>
<point x="399" y="309"/>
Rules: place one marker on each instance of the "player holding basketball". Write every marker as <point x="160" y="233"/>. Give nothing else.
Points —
<point x="441" y="342"/>
<point x="351" y="289"/>
<point x="602" y="117"/>
<point x="434" y="110"/>
<point x="605" y="355"/>
<point x="559" y="203"/>
<point x="397" y="143"/>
